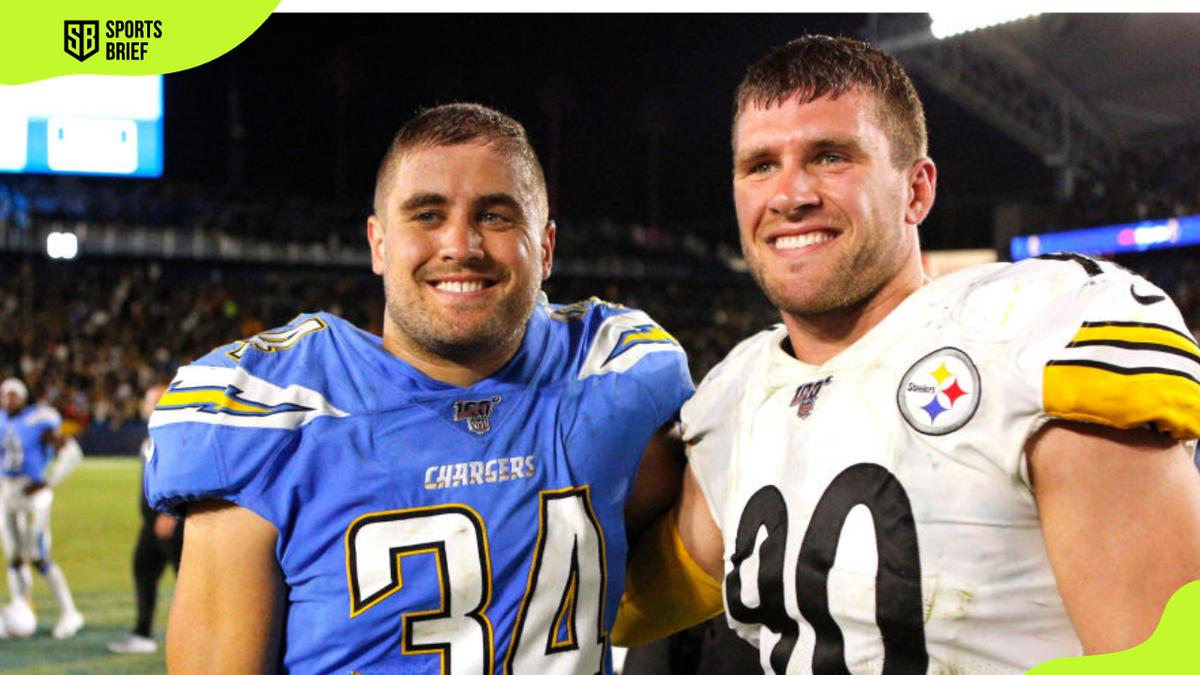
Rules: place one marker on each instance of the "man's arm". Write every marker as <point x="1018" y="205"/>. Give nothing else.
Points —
<point x="1120" y="512"/>
<point x="68" y="456"/>
<point x="226" y="616"/>
<point x="697" y="529"/>
<point x="675" y="571"/>
<point x="656" y="486"/>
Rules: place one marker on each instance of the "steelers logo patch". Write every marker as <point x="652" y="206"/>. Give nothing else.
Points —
<point x="940" y="393"/>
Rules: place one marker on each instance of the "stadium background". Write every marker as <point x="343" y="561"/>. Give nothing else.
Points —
<point x="1052" y="123"/>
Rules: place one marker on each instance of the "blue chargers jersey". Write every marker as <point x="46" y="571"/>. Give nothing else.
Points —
<point x="24" y="451"/>
<point x="424" y="527"/>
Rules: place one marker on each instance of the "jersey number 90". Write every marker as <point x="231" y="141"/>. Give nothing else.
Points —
<point x="898" y="605"/>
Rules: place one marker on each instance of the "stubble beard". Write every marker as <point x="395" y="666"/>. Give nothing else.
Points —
<point x="447" y="338"/>
<point x="850" y="283"/>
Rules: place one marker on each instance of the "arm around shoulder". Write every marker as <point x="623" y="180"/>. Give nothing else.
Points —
<point x="1120" y="511"/>
<point x="675" y="570"/>
<point x="226" y="616"/>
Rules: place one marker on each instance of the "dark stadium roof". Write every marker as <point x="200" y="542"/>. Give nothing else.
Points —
<point x="1140" y="73"/>
<point x="630" y="112"/>
<point x="1075" y="89"/>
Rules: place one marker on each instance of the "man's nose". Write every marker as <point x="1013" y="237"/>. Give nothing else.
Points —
<point x="795" y="189"/>
<point x="462" y="239"/>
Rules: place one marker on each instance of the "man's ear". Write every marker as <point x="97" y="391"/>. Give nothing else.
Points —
<point x="922" y="186"/>
<point x="549" y="236"/>
<point x="375" y="239"/>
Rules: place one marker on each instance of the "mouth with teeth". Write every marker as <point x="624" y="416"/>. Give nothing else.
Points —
<point x="462" y="287"/>
<point x="794" y="242"/>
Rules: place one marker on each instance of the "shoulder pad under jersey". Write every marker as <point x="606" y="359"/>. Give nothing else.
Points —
<point x="626" y="344"/>
<point x="224" y="417"/>
<point x="1102" y="344"/>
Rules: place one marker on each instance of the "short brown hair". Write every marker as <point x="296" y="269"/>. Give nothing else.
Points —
<point x="813" y="66"/>
<point x="455" y="124"/>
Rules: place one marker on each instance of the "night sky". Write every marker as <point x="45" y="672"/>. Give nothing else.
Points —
<point x="593" y="92"/>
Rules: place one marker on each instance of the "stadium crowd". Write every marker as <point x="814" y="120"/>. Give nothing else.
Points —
<point x="90" y="335"/>
<point x="1143" y="184"/>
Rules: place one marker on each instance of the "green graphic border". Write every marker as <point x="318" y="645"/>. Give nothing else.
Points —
<point x="32" y="35"/>
<point x="1169" y="651"/>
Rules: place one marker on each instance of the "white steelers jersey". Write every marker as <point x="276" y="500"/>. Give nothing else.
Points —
<point x="877" y="510"/>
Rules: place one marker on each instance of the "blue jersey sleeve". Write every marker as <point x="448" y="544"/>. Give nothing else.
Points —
<point x="644" y="366"/>
<point x="43" y="419"/>
<point x="221" y="427"/>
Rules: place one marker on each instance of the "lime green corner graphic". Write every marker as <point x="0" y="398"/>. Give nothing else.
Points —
<point x="120" y="37"/>
<point x="1170" y="650"/>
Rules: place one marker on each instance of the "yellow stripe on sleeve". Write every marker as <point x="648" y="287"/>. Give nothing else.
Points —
<point x="1144" y="334"/>
<point x="1123" y="400"/>
<point x="218" y="399"/>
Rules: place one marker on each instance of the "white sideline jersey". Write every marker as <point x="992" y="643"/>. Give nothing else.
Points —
<point x="876" y="510"/>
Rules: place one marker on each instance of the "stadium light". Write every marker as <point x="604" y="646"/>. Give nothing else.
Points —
<point x="62" y="245"/>
<point x="948" y="24"/>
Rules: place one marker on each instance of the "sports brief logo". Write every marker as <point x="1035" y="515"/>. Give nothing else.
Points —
<point x="806" y="396"/>
<point x="81" y="39"/>
<point x="478" y="414"/>
<point x="940" y="392"/>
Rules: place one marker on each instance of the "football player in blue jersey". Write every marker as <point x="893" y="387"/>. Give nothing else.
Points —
<point x="31" y="439"/>
<point x="452" y="498"/>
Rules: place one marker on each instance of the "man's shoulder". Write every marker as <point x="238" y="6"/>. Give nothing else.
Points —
<point x="43" y="415"/>
<point x="1095" y="342"/>
<point x="726" y="383"/>
<point x="1036" y="296"/>
<point x="606" y="337"/>
<point x="294" y="343"/>
<point x="741" y="358"/>
<point x="281" y="378"/>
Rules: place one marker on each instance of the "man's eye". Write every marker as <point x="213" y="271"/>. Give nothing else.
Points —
<point x="426" y="216"/>
<point x="831" y="158"/>
<point x="761" y="167"/>
<point x="494" y="218"/>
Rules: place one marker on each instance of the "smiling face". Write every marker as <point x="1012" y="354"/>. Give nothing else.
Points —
<point x="463" y="243"/>
<point x="827" y="221"/>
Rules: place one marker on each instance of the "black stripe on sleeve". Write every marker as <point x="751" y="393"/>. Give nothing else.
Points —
<point x="1101" y="365"/>
<point x="1137" y="324"/>
<point x="1140" y="346"/>
<point x="1089" y="265"/>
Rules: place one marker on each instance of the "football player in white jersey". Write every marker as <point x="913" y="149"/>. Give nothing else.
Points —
<point x="973" y="474"/>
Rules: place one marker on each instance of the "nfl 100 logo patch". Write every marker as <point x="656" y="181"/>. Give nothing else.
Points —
<point x="478" y="414"/>
<point x="806" y="396"/>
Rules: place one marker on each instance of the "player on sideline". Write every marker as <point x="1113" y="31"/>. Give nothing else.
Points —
<point x="159" y="543"/>
<point x="31" y="438"/>
<point x="449" y="499"/>
<point x="971" y="474"/>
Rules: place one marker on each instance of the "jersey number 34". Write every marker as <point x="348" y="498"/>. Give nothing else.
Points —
<point x="560" y="626"/>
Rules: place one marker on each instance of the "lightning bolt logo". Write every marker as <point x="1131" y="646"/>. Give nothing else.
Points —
<point x="644" y="334"/>
<point x="215" y="400"/>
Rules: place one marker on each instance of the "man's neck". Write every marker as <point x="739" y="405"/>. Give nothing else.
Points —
<point x="460" y="372"/>
<point x="818" y="338"/>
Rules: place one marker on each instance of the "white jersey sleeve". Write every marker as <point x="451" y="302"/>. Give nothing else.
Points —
<point x="1098" y="344"/>
<point x="709" y="420"/>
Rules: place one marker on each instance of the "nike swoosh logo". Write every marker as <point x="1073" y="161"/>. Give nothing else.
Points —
<point x="1145" y="299"/>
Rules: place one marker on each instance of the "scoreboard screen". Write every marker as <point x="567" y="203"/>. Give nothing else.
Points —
<point x="83" y="124"/>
